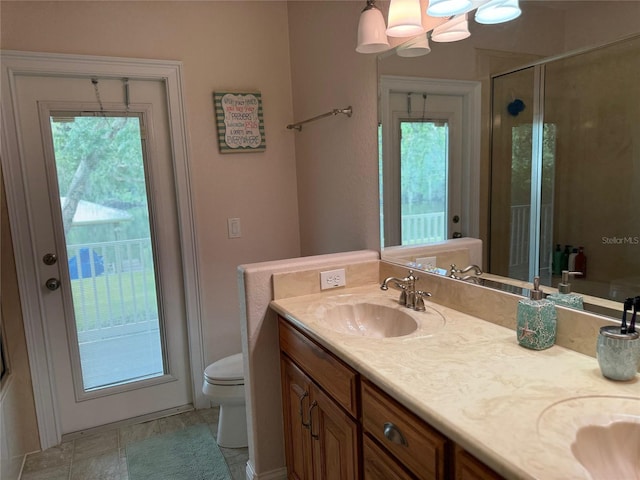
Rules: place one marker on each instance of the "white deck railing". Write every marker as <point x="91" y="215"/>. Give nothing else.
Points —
<point x="430" y="227"/>
<point x="113" y="286"/>
<point x="423" y="228"/>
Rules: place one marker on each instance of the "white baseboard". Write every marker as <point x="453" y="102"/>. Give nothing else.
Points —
<point x="278" y="474"/>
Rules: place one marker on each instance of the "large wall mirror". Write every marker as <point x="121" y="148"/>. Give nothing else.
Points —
<point x="559" y="154"/>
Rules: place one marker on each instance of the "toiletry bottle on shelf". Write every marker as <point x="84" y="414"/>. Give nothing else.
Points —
<point x="556" y="263"/>
<point x="581" y="262"/>
<point x="565" y="257"/>
<point x="571" y="265"/>
<point x="564" y="297"/>
<point x="537" y="320"/>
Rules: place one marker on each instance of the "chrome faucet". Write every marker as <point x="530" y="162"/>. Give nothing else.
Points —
<point x="409" y="296"/>
<point x="453" y="273"/>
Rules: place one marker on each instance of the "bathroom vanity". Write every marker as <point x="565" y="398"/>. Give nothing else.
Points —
<point x="324" y="430"/>
<point x="457" y="397"/>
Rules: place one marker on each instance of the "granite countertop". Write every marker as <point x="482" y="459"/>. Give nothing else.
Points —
<point x="515" y="409"/>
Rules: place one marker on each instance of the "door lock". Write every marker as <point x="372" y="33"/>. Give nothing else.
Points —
<point x="52" y="284"/>
<point x="50" y="259"/>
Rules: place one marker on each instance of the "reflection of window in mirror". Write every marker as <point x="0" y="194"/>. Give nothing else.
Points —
<point x="424" y="180"/>
<point x="429" y="143"/>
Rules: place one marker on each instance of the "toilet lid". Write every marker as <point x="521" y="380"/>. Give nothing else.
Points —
<point x="226" y="369"/>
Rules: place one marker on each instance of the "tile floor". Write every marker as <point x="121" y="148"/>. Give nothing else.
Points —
<point x="102" y="456"/>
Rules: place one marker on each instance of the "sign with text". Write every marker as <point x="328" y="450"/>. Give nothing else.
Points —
<point x="240" y="122"/>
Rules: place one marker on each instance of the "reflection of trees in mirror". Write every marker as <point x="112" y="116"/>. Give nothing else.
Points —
<point x="423" y="166"/>
<point x="521" y="163"/>
<point x="100" y="159"/>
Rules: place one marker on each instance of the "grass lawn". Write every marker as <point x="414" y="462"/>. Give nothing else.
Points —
<point x="114" y="299"/>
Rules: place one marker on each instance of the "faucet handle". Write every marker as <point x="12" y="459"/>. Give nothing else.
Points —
<point x="403" y="293"/>
<point x="419" y="300"/>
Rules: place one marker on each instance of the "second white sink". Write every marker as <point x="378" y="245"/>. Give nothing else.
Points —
<point x="609" y="451"/>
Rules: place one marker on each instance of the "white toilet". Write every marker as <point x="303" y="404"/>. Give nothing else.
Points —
<point x="224" y="385"/>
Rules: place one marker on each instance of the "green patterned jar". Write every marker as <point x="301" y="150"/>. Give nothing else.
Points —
<point x="618" y="353"/>
<point x="537" y="324"/>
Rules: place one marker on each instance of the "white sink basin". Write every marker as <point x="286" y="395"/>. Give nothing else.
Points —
<point x="609" y="451"/>
<point x="369" y="320"/>
<point x="601" y="432"/>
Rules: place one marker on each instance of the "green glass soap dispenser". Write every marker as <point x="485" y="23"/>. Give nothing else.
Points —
<point x="537" y="320"/>
<point x="564" y="297"/>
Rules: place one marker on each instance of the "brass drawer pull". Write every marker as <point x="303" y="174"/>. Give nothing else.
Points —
<point x="315" y="436"/>
<point x="393" y="434"/>
<point x="302" y="397"/>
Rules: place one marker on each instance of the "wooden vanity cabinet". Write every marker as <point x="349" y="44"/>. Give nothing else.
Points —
<point x="339" y="426"/>
<point x="319" y="395"/>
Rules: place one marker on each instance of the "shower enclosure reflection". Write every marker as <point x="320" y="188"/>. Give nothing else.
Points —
<point x="565" y="170"/>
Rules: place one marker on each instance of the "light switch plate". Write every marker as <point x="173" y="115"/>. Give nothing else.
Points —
<point x="233" y="228"/>
<point x="332" y="279"/>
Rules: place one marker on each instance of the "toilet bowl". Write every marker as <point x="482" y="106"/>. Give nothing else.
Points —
<point x="224" y="386"/>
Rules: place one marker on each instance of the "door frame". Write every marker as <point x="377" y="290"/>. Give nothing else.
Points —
<point x="16" y="63"/>
<point x="470" y="91"/>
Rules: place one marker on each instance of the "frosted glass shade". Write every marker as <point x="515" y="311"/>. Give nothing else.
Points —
<point x="447" y="8"/>
<point x="405" y="18"/>
<point x="371" y="31"/>
<point x="455" y="29"/>
<point x="498" y="11"/>
<point x="415" y="47"/>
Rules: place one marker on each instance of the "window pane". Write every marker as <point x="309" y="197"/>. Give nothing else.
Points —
<point x="102" y="182"/>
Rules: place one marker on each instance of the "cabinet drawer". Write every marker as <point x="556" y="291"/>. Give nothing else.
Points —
<point x="469" y="468"/>
<point x="327" y="371"/>
<point x="423" y="450"/>
<point x="378" y="465"/>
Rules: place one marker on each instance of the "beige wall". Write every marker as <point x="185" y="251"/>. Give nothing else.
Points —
<point x="336" y="156"/>
<point x="18" y="429"/>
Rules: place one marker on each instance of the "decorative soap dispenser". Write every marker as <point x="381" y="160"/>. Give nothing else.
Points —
<point x="537" y="320"/>
<point x="564" y="297"/>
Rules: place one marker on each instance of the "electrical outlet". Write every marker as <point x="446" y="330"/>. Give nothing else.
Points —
<point x="332" y="279"/>
<point x="429" y="263"/>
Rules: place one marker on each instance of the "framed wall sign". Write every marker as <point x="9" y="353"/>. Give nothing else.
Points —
<point x="240" y="122"/>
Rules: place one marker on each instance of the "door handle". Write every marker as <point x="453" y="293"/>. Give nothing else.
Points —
<point x="52" y="284"/>
<point x="50" y="259"/>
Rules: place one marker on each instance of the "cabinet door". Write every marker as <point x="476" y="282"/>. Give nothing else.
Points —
<point x="295" y="405"/>
<point x="378" y="465"/>
<point x="334" y="438"/>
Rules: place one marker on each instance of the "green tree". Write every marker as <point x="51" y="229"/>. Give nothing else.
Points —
<point x="99" y="159"/>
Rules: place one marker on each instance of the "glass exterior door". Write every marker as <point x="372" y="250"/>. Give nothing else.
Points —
<point x="104" y="216"/>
